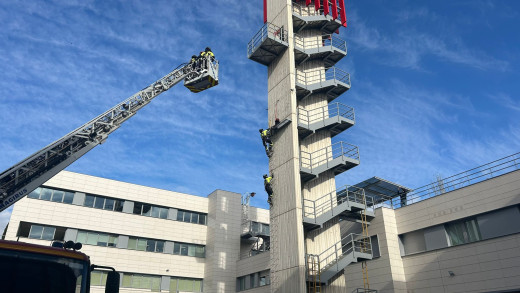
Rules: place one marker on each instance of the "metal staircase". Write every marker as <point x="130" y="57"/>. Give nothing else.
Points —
<point x="335" y="117"/>
<point x="332" y="81"/>
<point x="348" y="202"/>
<point x="350" y="249"/>
<point x="338" y="157"/>
<point x="329" y="48"/>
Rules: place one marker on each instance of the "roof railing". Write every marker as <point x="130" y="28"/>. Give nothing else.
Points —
<point x="267" y="30"/>
<point x="320" y="75"/>
<point x="308" y="117"/>
<point x="327" y="154"/>
<point x="325" y="203"/>
<point x="442" y="185"/>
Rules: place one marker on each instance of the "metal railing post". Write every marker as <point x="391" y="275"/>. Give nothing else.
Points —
<point x="314" y="208"/>
<point x="331" y="206"/>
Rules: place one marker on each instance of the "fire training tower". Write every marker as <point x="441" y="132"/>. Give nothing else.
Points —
<point x="299" y="45"/>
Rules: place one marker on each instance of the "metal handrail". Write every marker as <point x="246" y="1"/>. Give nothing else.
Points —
<point x="323" y="156"/>
<point x="350" y="243"/>
<point x="320" y="75"/>
<point x="301" y="9"/>
<point x="267" y="30"/>
<point x="327" y="202"/>
<point x="327" y="41"/>
<point x="442" y="185"/>
<point x="308" y="117"/>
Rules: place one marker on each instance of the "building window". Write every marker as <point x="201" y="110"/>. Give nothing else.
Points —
<point x="138" y="281"/>
<point x="103" y="203"/>
<point x="42" y="232"/>
<point x="191" y="217"/>
<point x="52" y="195"/>
<point x="185" y="285"/>
<point x="98" y="278"/>
<point x="189" y="249"/>
<point x="98" y="239"/>
<point x="144" y="244"/>
<point x="263" y="280"/>
<point x="462" y="232"/>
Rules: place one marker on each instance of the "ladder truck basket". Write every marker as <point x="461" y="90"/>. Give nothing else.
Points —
<point x="204" y="77"/>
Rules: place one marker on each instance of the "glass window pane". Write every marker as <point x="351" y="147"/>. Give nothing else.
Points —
<point x="69" y="197"/>
<point x="194" y="218"/>
<point x="35" y="193"/>
<point x="473" y="231"/>
<point x="185" y="285"/>
<point x="141" y="244"/>
<point x="89" y="201"/>
<point x="173" y="285"/>
<point x="132" y="243"/>
<point x="180" y="215"/>
<point x="36" y="232"/>
<point x="199" y="251"/>
<point x="48" y="233"/>
<point x="136" y="281"/>
<point x="197" y="286"/>
<point x="82" y="237"/>
<point x="103" y="278"/>
<point x="102" y="240"/>
<point x="164" y="213"/>
<point x="95" y="278"/>
<point x="57" y="196"/>
<point x="137" y="208"/>
<point x="92" y="238"/>
<point x="176" y="248"/>
<point x="127" y="280"/>
<point x="100" y="201"/>
<point x="118" y="206"/>
<point x="146" y="282"/>
<point x="155" y="212"/>
<point x="184" y="249"/>
<point x="156" y="284"/>
<point x="456" y="233"/>
<point x="191" y="250"/>
<point x="159" y="247"/>
<point x="109" y="204"/>
<point x="202" y="219"/>
<point x="187" y="217"/>
<point x="112" y="240"/>
<point x="46" y="194"/>
<point x="147" y="210"/>
<point x="150" y="245"/>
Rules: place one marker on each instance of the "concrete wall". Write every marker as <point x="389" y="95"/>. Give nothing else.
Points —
<point x="222" y="250"/>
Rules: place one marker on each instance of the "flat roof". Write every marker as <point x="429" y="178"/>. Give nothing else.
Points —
<point x="381" y="190"/>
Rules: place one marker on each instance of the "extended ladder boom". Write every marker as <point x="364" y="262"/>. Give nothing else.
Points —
<point x="19" y="180"/>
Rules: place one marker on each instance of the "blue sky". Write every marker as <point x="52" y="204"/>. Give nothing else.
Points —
<point x="434" y="87"/>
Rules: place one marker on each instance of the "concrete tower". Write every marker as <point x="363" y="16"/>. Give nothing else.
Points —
<point x="299" y="46"/>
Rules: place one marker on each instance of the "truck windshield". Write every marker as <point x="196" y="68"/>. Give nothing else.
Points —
<point x="38" y="273"/>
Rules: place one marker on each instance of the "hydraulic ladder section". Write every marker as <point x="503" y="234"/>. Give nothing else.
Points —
<point x="27" y="175"/>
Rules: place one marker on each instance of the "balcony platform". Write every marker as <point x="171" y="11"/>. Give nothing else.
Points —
<point x="334" y="117"/>
<point x="333" y="82"/>
<point x="329" y="48"/>
<point x="267" y="44"/>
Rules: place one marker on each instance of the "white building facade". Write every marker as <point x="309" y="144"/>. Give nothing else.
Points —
<point x="465" y="240"/>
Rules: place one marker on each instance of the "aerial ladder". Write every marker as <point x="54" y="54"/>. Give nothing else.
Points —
<point x="22" y="178"/>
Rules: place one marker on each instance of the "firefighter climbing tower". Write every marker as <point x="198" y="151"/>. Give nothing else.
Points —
<point x="299" y="45"/>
